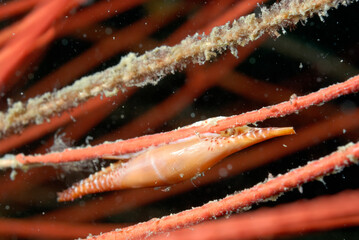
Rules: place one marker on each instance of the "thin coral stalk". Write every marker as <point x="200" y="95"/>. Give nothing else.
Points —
<point x="36" y="131"/>
<point x="321" y="213"/>
<point x="269" y="152"/>
<point x="267" y="93"/>
<point x="24" y="182"/>
<point x="198" y="20"/>
<point x="151" y="66"/>
<point x="331" y="66"/>
<point x="211" y="125"/>
<point x="49" y="229"/>
<point x="239" y="9"/>
<point x="111" y="204"/>
<point x="72" y="132"/>
<point x="16" y="7"/>
<point x="268" y="190"/>
<point x="95" y="13"/>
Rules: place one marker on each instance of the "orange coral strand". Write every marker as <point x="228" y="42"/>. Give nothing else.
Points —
<point x="321" y="213"/>
<point x="137" y="144"/>
<point x="283" y="183"/>
<point x="16" y="7"/>
<point x="50" y="229"/>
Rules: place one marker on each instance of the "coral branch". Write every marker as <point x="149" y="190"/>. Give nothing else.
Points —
<point x="153" y="65"/>
<point x="198" y="20"/>
<point x="35" y="131"/>
<point x="97" y="12"/>
<point x="16" y="7"/>
<point x="321" y="213"/>
<point x="49" y="230"/>
<point x="210" y="125"/>
<point x="333" y="163"/>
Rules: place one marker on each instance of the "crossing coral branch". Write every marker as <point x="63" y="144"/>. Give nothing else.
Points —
<point x="321" y="213"/>
<point x="150" y="67"/>
<point x="268" y="190"/>
<point x="210" y="125"/>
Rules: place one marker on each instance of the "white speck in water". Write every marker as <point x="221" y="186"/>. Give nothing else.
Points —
<point x="300" y="65"/>
<point x="64" y="42"/>
<point x="30" y="76"/>
<point x="108" y="31"/>
<point x="285" y="145"/>
<point x="223" y="172"/>
<point x="13" y="174"/>
<point x="252" y="60"/>
<point x="341" y="60"/>
<point x="193" y="115"/>
<point x="344" y="130"/>
<point x="181" y="175"/>
<point x="229" y="166"/>
<point x="167" y="189"/>
<point x="88" y="139"/>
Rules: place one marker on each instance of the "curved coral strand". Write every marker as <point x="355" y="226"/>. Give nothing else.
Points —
<point x="210" y="125"/>
<point x="172" y="163"/>
<point x="268" y="190"/>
